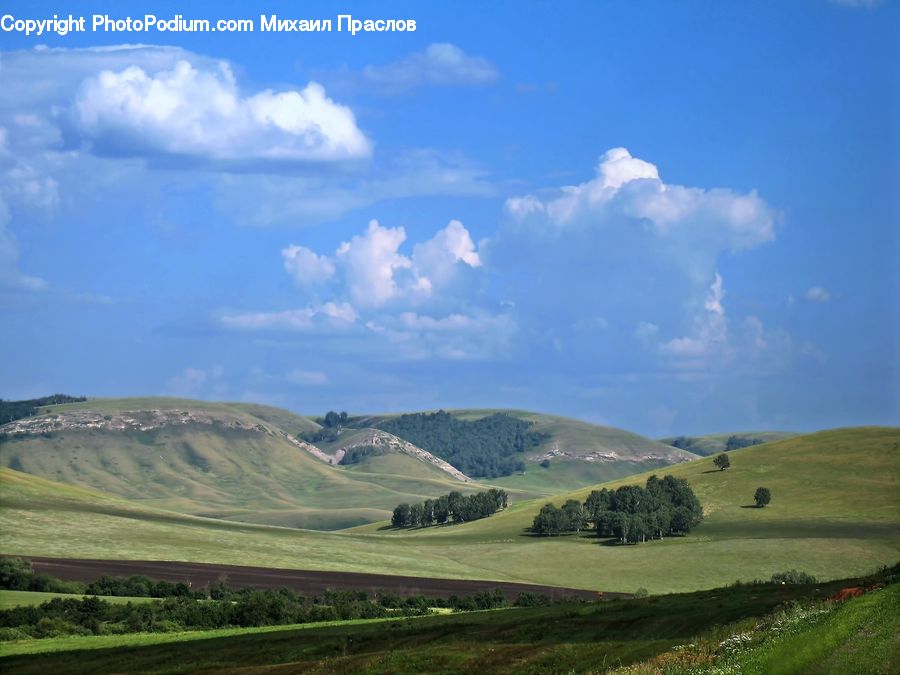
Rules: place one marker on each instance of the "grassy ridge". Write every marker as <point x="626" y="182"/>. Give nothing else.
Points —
<point x="834" y="513"/>
<point x="560" y="638"/>
<point x="219" y="471"/>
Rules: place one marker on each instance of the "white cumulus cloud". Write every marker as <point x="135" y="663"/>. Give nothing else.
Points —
<point x="628" y="188"/>
<point x="199" y="112"/>
<point x="306" y="267"/>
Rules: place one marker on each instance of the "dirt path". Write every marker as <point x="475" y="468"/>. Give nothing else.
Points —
<point x="308" y="582"/>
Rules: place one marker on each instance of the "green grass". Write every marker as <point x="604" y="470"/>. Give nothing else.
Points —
<point x="834" y="513"/>
<point x="709" y="444"/>
<point x="560" y="638"/>
<point x="88" y="642"/>
<point x="33" y="598"/>
<point x="860" y="636"/>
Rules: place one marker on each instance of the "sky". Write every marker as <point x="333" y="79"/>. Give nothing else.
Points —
<point x="672" y="217"/>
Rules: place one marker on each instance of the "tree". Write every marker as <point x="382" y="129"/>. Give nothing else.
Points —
<point x="762" y="496"/>
<point x="722" y="462"/>
<point x="574" y="516"/>
<point x="401" y="516"/>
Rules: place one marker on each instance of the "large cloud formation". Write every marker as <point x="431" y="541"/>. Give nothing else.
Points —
<point x="417" y="304"/>
<point x="199" y="112"/>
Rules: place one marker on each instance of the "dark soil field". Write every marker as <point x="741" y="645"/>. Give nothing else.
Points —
<point x="307" y="582"/>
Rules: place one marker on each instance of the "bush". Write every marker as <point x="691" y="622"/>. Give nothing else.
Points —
<point x="793" y="577"/>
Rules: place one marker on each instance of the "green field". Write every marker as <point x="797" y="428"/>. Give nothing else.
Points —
<point x="32" y="598"/>
<point x="834" y="513"/>
<point x="555" y="639"/>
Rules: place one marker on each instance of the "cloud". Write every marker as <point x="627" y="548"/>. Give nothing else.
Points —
<point x="817" y="294"/>
<point x="376" y="290"/>
<point x="329" y="316"/>
<point x="867" y="4"/>
<point x="711" y="335"/>
<point x="371" y="271"/>
<point x="628" y="189"/>
<point x="24" y="191"/>
<point x="305" y="267"/>
<point x="440" y="64"/>
<point x="323" y="196"/>
<point x="200" y="113"/>
<point x="307" y="378"/>
<point x="646" y="330"/>
<point x="193" y="382"/>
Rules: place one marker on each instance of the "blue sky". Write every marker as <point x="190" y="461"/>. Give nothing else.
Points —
<point x="670" y="217"/>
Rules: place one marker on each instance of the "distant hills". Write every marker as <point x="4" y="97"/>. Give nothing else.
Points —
<point x="250" y="463"/>
<point x="711" y="444"/>
<point x="834" y="513"/>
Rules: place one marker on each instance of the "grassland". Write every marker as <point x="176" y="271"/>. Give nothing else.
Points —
<point x="32" y="598"/>
<point x="709" y="444"/>
<point x="562" y="638"/>
<point x="834" y="513"/>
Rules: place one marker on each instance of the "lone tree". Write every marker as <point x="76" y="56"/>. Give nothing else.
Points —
<point x="762" y="496"/>
<point x="722" y="462"/>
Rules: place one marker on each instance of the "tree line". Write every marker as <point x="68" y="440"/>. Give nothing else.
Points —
<point x="453" y="507"/>
<point x="215" y="606"/>
<point x="485" y="448"/>
<point x="630" y="514"/>
<point x="11" y="411"/>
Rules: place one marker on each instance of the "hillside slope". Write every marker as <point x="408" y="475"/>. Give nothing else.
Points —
<point x="218" y="460"/>
<point x="709" y="444"/>
<point x="834" y="513"/>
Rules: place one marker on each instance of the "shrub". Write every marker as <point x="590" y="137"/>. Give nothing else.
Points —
<point x="793" y="577"/>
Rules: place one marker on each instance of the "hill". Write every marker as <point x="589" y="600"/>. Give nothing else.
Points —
<point x="834" y="513"/>
<point x="534" y="453"/>
<point x="220" y="460"/>
<point x="711" y="444"/>
<point x="248" y="463"/>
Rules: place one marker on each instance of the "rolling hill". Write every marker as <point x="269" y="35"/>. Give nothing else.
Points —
<point x="710" y="444"/>
<point x="834" y="513"/>
<point x="244" y="462"/>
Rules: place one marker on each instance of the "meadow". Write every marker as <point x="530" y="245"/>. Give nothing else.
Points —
<point x="834" y="513"/>
<point x="574" y="637"/>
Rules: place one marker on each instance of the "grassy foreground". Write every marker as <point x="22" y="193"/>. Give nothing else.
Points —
<point x="834" y="513"/>
<point x="563" y="638"/>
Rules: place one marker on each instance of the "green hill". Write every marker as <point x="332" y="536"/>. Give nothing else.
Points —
<point x="243" y="462"/>
<point x="710" y="444"/>
<point x="834" y="513"/>
<point x="220" y="460"/>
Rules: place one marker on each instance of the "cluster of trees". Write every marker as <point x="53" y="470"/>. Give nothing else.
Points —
<point x="357" y="454"/>
<point x="331" y="425"/>
<point x="488" y="447"/>
<point x="738" y="442"/>
<point x="630" y="513"/>
<point x="16" y="410"/>
<point x="696" y="445"/>
<point x="454" y="507"/>
<point x="17" y="574"/>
